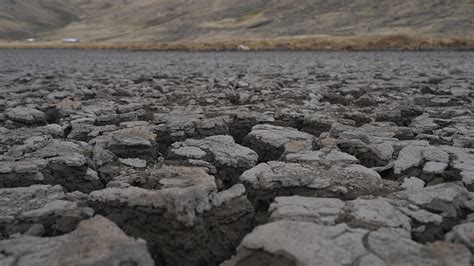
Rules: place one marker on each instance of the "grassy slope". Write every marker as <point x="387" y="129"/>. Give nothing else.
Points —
<point x="24" y="18"/>
<point x="223" y="24"/>
<point x="300" y="43"/>
<point x="176" y="20"/>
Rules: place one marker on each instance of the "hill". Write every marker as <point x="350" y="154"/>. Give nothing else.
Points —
<point x="185" y="20"/>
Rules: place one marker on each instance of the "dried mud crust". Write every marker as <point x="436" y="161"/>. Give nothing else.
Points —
<point x="236" y="158"/>
<point x="210" y="240"/>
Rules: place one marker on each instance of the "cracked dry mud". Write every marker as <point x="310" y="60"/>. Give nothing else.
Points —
<point x="168" y="158"/>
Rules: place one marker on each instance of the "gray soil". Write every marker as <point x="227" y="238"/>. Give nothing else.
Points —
<point x="236" y="158"/>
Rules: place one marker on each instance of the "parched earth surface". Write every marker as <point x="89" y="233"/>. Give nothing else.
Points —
<point x="169" y="158"/>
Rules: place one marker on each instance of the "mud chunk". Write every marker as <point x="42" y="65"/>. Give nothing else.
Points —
<point x="378" y="212"/>
<point x="300" y="243"/>
<point x="410" y="156"/>
<point x="26" y="140"/>
<point x="463" y="162"/>
<point x="96" y="241"/>
<point x="38" y="204"/>
<point x="388" y="213"/>
<point x="229" y="158"/>
<point x="396" y="250"/>
<point x="423" y="124"/>
<point x="297" y="208"/>
<point x="132" y="137"/>
<point x="68" y="165"/>
<point x="177" y="126"/>
<point x="434" y="167"/>
<point x="413" y="183"/>
<point x="115" y="119"/>
<point x="435" y="155"/>
<point x="101" y="156"/>
<point x="180" y="213"/>
<point x="270" y="142"/>
<point x="304" y="243"/>
<point x="328" y="156"/>
<point x="137" y="142"/>
<point x="370" y="151"/>
<point x="133" y="162"/>
<point x="26" y="115"/>
<point x="67" y="104"/>
<point x="374" y="129"/>
<point x="316" y="124"/>
<point x="266" y="180"/>
<point x="462" y="234"/>
<point x="366" y="100"/>
<point x="443" y="198"/>
<point x="22" y="173"/>
<point x="359" y="118"/>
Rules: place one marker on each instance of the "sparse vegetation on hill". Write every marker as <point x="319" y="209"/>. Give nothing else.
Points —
<point x="177" y="21"/>
<point x="304" y="43"/>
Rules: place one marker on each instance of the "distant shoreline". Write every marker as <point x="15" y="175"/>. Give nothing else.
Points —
<point x="300" y="43"/>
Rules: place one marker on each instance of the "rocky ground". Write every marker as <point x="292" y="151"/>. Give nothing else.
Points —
<point x="116" y="158"/>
